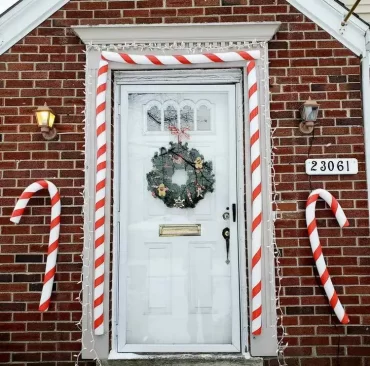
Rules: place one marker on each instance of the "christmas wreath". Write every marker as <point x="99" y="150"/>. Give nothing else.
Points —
<point x="200" y="178"/>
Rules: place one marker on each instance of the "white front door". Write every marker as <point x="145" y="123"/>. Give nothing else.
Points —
<point x="177" y="293"/>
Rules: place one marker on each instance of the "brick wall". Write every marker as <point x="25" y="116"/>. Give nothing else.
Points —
<point x="47" y="66"/>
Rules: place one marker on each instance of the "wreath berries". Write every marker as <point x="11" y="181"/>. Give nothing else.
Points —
<point x="200" y="176"/>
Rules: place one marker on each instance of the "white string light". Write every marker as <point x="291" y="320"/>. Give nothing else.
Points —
<point x="187" y="47"/>
<point x="272" y="247"/>
<point x="86" y="263"/>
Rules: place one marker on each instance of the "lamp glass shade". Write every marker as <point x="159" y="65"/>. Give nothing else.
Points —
<point x="309" y="111"/>
<point x="45" y="116"/>
<point x="51" y="119"/>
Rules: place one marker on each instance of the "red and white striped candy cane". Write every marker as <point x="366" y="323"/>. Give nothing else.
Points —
<point x="254" y="132"/>
<point x="317" y="250"/>
<point x="53" y="237"/>
<point x="160" y="60"/>
<point x="101" y="177"/>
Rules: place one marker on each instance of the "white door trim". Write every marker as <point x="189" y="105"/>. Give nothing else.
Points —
<point x="100" y="346"/>
<point x="240" y="324"/>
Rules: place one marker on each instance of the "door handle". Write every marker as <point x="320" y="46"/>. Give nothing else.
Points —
<point x="226" y="235"/>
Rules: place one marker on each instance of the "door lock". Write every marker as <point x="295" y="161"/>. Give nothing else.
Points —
<point x="226" y="215"/>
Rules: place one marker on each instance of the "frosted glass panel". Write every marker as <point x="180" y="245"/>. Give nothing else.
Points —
<point x="170" y="117"/>
<point x="204" y="118"/>
<point x="154" y="119"/>
<point x="187" y="117"/>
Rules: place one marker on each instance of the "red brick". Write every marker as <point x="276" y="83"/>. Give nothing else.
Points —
<point x="233" y="18"/>
<point x="178" y="3"/>
<point x="246" y="10"/>
<point x="27" y="356"/>
<point x="318" y="362"/>
<point x="190" y="12"/>
<point x="149" y="20"/>
<point x="206" y="3"/>
<point x="177" y="20"/>
<point x="33" y="347"/>
<point x="163" y="12"/>
<point x="358" y="351"/>
<point x="12" y="347"/>
<point x="96" y="5"/>
<point x="219" y="11"/>
<point x="234" y="2"/>
<point x="26" y="336"/>
<point x="315" y="341"/>
<point x="143" y="3"/>
<point x="298" y="351"/>
<point x="213" y="19"/>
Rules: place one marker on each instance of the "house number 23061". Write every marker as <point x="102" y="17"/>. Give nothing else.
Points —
<point x="331" y="166"/>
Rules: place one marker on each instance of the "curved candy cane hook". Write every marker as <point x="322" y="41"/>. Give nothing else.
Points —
<point x="317" y="250"/>
<point x="54" y="233"/>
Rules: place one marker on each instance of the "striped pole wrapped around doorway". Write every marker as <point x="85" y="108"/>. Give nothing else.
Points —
<point x="101" y="175"/>
<point x="255" y="158"/>
<point x="100" y="194"/>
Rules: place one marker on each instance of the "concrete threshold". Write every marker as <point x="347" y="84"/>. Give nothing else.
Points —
<point x="185" y="360"/>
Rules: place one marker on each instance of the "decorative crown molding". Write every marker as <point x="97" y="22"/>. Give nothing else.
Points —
<point x="207" y="33"/>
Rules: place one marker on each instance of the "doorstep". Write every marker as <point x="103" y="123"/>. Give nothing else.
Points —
<point x="185" y="360"/>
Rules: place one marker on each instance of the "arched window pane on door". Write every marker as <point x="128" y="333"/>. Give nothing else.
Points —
<point x="170" y="117"/>
<point x="203" y="118"/>
<point x="187" y="117"/>
<point x="154" y="119"/>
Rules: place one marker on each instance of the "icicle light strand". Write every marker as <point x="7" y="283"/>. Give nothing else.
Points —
<point x="85" y="283"/>
<point x="273" y="248"/>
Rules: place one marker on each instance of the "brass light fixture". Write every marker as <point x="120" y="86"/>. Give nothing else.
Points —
<point x="309" y="112"/>
<point x="45" y="119"/>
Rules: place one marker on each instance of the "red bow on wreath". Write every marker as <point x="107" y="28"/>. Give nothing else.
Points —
<point x="180" y="132"/>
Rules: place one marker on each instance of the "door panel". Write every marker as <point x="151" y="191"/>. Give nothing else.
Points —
<point x="177" y="293"/>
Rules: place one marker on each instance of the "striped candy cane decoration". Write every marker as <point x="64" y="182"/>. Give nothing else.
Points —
<point x="256" y="199"/>
<point x="53" y="237"/>
<point x="317" y="250"/>
<point x="160" y="60"/>
<point x="101" y="177"/>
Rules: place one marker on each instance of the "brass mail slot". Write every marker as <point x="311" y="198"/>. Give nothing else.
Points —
<point x="180" y="230"/>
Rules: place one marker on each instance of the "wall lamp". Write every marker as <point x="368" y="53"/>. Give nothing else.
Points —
<point x="45" y="119"/>
<point x="309" y="112"/>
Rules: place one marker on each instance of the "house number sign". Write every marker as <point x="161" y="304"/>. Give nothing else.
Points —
<point x="331" y="166"/>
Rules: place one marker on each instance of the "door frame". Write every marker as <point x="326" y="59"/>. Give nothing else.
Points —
<point x="233" y="77"/>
